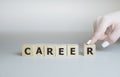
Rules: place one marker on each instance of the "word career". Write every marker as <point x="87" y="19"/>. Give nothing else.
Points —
<point x="56" y="50"/>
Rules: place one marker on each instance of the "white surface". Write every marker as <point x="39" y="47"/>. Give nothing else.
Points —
<point x="43" y="20"/>
<point x="53" y="15"/>
<point x="106" y="63"/>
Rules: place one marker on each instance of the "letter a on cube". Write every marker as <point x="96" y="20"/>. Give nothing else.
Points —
<point x="89" y="49"/>
<point x="38" y="50"/>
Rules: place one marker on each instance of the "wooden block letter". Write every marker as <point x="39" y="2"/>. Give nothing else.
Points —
<point x="89" y="49"/>
<point x="49" y="50"/>
<point x="72" y="49"/>
<point x="27" y="50"/>
<point x="38" y="50"/>
<point x="61" y="50"/>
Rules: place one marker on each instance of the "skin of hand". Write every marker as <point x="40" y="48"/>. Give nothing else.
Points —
<point x="107" y="29"/>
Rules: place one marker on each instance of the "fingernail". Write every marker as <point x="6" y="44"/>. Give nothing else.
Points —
<point x="105" y="44"/>
<point x="89" y="42"/>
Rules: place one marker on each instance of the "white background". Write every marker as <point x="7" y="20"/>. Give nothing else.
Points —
<point x="58" y="22"/>
<point x="53" y="15"/>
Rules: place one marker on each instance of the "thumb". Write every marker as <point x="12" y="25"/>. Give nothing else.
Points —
<point x="112" y="38"/>
<point x="100" y="30"/>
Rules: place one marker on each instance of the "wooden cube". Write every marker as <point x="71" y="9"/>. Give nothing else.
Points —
<point x="61" y="50"/>
<point x="38" y="50"/>
<point x="72" y="49"/>
<point x="27" y="50"/>
<point x="50" y="50"/>
<point x="89" y="49"/>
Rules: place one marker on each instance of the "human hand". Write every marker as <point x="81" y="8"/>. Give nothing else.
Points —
<point x="107" y="29"/>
